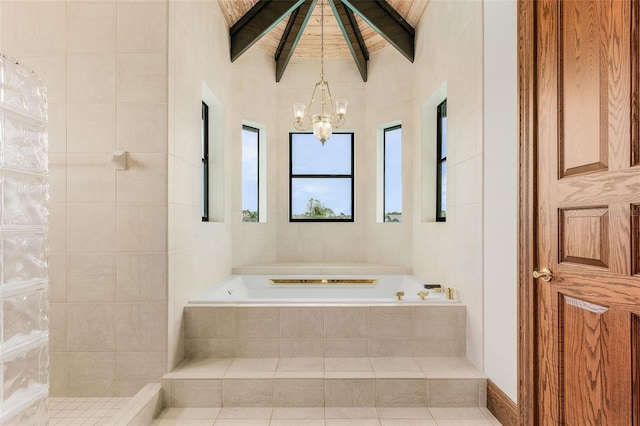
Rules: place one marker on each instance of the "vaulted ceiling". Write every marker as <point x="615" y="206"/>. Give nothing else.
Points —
<point x="352" y="28"/>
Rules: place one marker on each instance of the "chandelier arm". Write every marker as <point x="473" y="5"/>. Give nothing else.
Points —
<point x="313" y="97"/>
<point x="333" y="111"/>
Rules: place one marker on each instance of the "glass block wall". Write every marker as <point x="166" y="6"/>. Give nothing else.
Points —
<point x="24" y="334"/>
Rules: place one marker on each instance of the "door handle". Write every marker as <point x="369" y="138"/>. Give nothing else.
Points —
<point x="544" y="273"/>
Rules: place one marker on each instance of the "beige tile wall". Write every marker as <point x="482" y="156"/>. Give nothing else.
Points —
<point x="104" y="64"/>
<point x="449" y="50"/>
<point x="199" y="253"/>
<point x="293" y="332"/>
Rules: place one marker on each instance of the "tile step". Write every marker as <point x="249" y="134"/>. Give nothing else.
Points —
<point x="325" y="382"/>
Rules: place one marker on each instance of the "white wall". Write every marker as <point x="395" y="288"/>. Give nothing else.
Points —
<point x="500" y="194"/>
<point x="449" y="51"/>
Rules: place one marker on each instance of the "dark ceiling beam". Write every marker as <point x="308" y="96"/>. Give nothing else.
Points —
<point x="291" y="36"/>
<point x="258" y="21"/>
<point x="388" y="23"/>
<point x="352" y="35"/>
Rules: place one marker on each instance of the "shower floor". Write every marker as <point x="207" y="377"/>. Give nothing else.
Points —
<point x="84" y="411"/>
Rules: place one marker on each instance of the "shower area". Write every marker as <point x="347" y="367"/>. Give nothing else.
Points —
<point x="24" y="334"/>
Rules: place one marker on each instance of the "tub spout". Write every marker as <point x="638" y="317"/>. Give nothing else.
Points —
<point x="399" y="295"/>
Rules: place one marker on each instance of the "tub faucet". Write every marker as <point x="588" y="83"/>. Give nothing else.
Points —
<point x="423" y="294"/>
<point x="399" y="295"/>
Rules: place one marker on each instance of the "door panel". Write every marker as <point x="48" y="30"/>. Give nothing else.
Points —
<point x="594" y="338"/>
<point x="584" y="236"/>
<point x="583" y="88"/>
<point x="588" y="190"/>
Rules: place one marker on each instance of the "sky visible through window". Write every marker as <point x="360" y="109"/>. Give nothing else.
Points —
<point x="249" y="172"/>
<point x="310" y="157"/>
<point x="392" y="172"/>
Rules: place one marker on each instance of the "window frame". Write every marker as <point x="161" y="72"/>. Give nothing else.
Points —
<point x="256" y="130"/>
<point x="204" y="166"/>
<point x="441" y="112"/>
<point x="384" y="172"/>
<point x="322" y="176"/>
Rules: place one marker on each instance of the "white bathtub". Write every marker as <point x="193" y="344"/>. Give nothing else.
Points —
<point x="260" y="289"/>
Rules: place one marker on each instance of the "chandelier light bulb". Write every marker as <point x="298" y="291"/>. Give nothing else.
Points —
<point x="298" y="111"/>
<point x="341" y="107"/>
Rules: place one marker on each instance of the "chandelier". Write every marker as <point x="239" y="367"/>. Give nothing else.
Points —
<point x="324" y="121"/>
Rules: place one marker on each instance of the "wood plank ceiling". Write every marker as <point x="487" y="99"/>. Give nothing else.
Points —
<point x="335" y="43"/>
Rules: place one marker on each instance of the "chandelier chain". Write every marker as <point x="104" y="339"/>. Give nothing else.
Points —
<point x="324" y="121"/>
<point x="322" y="40"/>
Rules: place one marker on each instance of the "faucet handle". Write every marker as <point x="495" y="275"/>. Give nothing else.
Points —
<point x="423" y="294"/>
<point x="399" y="295"/>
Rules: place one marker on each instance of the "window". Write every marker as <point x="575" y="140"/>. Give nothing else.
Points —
<point x="392" y="200"/>
<point x="250" y="174"/>
<point x="204" y="169"/>
<point x="441" y="164"/>
<point x="321" y="178"/>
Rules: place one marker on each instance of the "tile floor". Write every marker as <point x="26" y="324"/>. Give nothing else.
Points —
<point x="83" y="411"/>
<point x="97" y="411"/>
<point x="351" y="416"/>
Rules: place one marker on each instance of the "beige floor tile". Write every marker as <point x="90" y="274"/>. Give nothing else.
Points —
<point x="252" y="368"/>
<point x="396" y="368"/>
<point x="307" y="368"/>
<point x="408" y="422"/>
<point x="394" y="364"/>
<point x="298" y="413"/>
<point x="448" y="368"/>
<point x="490" y="416"/>
<point x="245" y="413"/>
<point x="183" y="422"/>
<point x="242" y="422"/>
<point x="440" y="413"/>
<point x="464" y="422"/>
<point x="190" y="413"/>
<point x="347" y="365"/>
<point x="350" y="413"/>
<point x="214" y="368"/>
<point x="349" y="375"/>
<point x="352" y="422"/>
<point x="297" y="422"/>
<point x="404" y="413"/>
<point x="300" y="364"/>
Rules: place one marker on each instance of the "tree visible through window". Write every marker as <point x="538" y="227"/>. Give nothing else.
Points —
<point x="441" y="164"/>
<point x="321" y="178"/>
<point x="393" y="174"/>
<point x="250" y="192"/>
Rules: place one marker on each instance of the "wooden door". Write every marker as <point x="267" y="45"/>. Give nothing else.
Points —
<point x="588" y="200"/>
